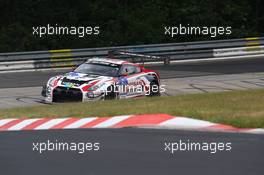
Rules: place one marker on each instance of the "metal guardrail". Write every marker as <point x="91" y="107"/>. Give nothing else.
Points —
<point x="175" y="51"/>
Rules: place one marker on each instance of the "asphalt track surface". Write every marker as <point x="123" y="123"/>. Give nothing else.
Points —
<point x="39" y="78"/>
<point x="130" y="151"/>
<point x="22" y="89"/>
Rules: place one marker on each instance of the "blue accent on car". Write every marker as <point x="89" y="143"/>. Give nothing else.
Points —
<point x="67" y="85"/>
<point x="73" y="74"/>
<point x="122" y="81"/>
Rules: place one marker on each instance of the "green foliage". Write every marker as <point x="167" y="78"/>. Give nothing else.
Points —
<point x="122" y="22"/>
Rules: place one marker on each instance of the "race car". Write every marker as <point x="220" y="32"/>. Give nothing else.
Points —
<point x="103" y="79"/>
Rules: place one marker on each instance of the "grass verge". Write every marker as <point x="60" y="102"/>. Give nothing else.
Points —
<point x="237" y="108"/>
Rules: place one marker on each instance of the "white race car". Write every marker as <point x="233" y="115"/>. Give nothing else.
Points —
<point x="101" y="79"/>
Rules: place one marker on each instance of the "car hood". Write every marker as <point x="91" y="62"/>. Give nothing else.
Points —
<point x="78" y="79"/>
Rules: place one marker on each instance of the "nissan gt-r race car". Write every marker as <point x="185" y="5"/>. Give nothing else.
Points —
<point x="102" y="79"/>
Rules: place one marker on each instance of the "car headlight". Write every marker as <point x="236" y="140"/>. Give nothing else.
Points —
<point x="51" y="81"/>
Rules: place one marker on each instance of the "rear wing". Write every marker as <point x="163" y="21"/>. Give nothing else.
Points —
<point x="138" y="57"/>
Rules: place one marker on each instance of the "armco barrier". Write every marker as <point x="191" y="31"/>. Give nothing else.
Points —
<point x="175" y="51"/>
<point x="250" y="50"/>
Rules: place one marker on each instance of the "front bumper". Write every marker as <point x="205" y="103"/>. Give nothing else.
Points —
<point x="66" y="94"/>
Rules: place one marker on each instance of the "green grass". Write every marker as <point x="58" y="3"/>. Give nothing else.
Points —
<point x="238" y="108"/>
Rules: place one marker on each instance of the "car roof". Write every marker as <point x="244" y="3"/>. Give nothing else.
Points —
<point x="108" y="60"/>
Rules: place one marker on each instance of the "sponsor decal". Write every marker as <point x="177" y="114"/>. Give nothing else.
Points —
<point x="69" y="85"/>
<point x="73" y="74"/>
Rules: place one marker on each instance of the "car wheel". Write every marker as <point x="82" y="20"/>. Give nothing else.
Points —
<point x="110" y="94"/>
<point x="154" y="89"/>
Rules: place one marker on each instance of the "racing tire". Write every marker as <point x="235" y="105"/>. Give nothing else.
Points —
<point x="153" y="86"/>
<point x="110" y="94"/>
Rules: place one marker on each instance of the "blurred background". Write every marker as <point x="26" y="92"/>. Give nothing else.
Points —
<point x="122" y="22"/>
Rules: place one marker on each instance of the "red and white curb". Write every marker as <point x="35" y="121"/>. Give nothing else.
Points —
<point x="148" y="120"/>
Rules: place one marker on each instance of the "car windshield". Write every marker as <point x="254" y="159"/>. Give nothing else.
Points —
<point x="104" y="69"/>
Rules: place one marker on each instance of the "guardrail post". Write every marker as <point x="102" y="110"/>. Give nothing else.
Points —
<point x="167" y="61"/>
